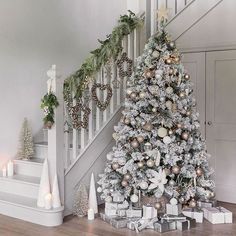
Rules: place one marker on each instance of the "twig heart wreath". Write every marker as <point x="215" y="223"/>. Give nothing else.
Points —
<point x="101" y="105"/>
<point x="125" y="65"/>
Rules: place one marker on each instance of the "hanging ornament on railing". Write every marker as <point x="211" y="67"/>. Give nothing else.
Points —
<point x="101" y="105"/>
<point x="79" y="121"/>
<point x="125" y="66"/>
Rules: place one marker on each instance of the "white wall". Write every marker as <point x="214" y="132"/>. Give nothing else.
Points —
<point x="34" y="35"/>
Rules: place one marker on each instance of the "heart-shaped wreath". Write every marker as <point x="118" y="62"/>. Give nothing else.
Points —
<point x="74" y="113"/>
<point x="101" y="105"/>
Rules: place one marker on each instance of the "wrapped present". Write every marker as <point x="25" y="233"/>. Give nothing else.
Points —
<point x="146" y="224"/>
<point x="206" y="203"/>
<point x="121" y="212"/>
<point x="173" y="209"/>
<point x="111" y="208"/>
<point x="165" y="226"/>
<point x="117" y="197"/>
<point x="166" y="217"/>
<point x="123" y="205"/>
<point x="119" y="222"/>
<point x="186" y="224"/>
<point x="134" y="212"/>
<point x="133" y="223"/>
<point x="149" y="212"/>
<point x="218" y="215"/>
<point x="107" y="218"/>
<point x="194" y="213"/>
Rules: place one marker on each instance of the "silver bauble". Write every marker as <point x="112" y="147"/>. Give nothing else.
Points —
<point x="158" y="205"/>
<point x="148" y="127"/>
<point x="147" y="146"/>
<point x="169" y="90"/>
<point x="134" y="198"/>
<point x="140" y="164"/>
<point x="142" y="95"/>
<point x="162" y="99"/>
<point x="129" y="91"/>
<point x="172" y="183"/>
<point x="143" y="185"/>
<point x="140" y="139"/>
<point x="155" y="54"/>
<point x="124" y="183"/>
<point x="182" y="94"/>
<point x="150" y="163"/>
<point x="186" y="76"/>
<point x="169" y="104"/>
<point x="133" y="122"/>
<point x="162" y="132"/>
<point x="175" y="170"/>
<point x="185" y="135"/>
<point x="127" y="176"/>
<point x="170" y="132"/>
<point x="133" y="95"/>
<point x="167" y="140"/>
<point x="154" y="109"/>
<point x="135" y="143"/>
<point x="171" y="45"/>
<point x="199" y="171"/>
<point x="188" y="113"/>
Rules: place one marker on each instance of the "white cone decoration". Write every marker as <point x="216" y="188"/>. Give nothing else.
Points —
<point x="93" y="196"/>
<point x="56" y="202"/>
<point x="44" y="187"/>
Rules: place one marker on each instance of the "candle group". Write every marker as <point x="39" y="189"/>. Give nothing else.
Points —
<point x="8" y="170"/>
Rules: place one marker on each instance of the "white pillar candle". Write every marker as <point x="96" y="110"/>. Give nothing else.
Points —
<point x="4" y="171"/>
<point x="48" y="201"/>
<point x="10" y="168"/>
<point x="90" y="214"/>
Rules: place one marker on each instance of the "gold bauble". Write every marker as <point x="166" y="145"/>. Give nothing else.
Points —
<point x="212" y="195"/>
<point x="179" y="126"/>
<point x="168" y="61"/>
<point x="129" y="91"/>
<point x="140" y="164"/>
<point x="182" y="94"/>
<point x="133" y="95"/>
<point x="176" y="59"/>
<point x="162" y="132"/>
<point x="185" y="135"/>
<point x="124" y="183"/>
<point x="127" y="121"/>
<point x="187" y="77"/>
<point x="199" y="171"/>
<point x="192" y="203"/>
<point x="149" y="73"/>
<point x="188" y="113"/>
<point x="148" y="127"/>
<point x="127" y="176"/>
<point x="154" y="109"/>
<point x="170" y="132"/>
<point x="175" y="169"/>
<point x="167" y="171"/>
<point x="171" y="71"/>
<point x="158" y="205"/>
<point x="134" y="143"/>
<point x="142" y="94"/>
<point x="115" y="166"/>
<point x="140" y="139"/>
<point x="172" y="183"/>
<point x="150" y="163"/>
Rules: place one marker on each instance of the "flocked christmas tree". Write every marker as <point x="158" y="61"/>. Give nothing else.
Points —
<point x="26" y="146"/>
<point x="159" y="149"/>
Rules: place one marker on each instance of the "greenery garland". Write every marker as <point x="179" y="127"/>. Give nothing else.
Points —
<point x="48" y="103"/>
<point x="109" y="49"/>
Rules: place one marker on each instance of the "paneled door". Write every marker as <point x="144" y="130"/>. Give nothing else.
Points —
<point x="221" y="120"/>
<point x="194" y="63"/>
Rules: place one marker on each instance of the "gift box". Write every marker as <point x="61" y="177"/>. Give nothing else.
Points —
<point x="173" y="217"/>
<point x="194" y="213"/>
<point x="110" y="212"/>
<point x="206" y="203"/>
<point x="173" y="209"/>
<point x="149" y="212"/>
<point x="165" y="226"/>
<point x="123" y="205"/>
<point x="107" y="218"/>
<point x="146" y="224"/>
<point x="111" y="208"/>
<point x="121" y="212"/>
<point x="119" y="222"/>
<point x="186" y="224"/>
<point x="218" y="215"/>
<point x="134" y="212"/>
<point x="133" y="223"/>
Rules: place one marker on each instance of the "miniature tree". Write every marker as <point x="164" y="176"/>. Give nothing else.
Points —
<point x="159" y="148"/>
<point x="26" y="146"/>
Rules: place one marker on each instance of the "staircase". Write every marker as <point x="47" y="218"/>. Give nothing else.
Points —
<point x="75" y="153"/>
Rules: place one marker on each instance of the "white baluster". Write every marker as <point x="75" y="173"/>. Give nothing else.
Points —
<point x="154" y="8"/>
<point x="136" y="43"/>
<point x="105" y="81"/>
<point x="113" y="77"/>
<point x="98" y="112"/>
<point x="75" y="136"/>
<point x="118" y="90"/>
<point x="180" y="5"/>
<point x="82" y="133"/>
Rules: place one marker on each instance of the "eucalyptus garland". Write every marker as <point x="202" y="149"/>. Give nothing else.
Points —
<point x="109" y="49"/>
<point x="48" y="103"/>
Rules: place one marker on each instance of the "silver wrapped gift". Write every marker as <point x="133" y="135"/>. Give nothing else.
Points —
<point x="165" y="226"/>
<point x="106" y="218"/>
<point x="173" y="209"/>
<point x="119" y="222"/>
<point x="207" y="203"/>
<point x="133" y="223"/>
<point x="186" y="224"/>
<point x="134" y="212"/>
<point x="121" y="212"/>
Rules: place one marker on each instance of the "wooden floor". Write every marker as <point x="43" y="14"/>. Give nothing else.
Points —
<point x="74" y="226"/>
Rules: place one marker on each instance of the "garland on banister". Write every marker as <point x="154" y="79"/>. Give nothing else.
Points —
<point x="109" y="49"/>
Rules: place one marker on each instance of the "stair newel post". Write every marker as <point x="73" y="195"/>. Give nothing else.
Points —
<point x="56" y="133"/>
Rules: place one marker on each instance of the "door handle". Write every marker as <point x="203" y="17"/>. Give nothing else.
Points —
<point x="209" y="123"/>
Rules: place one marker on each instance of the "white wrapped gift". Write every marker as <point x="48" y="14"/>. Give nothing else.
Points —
<point x="196" y="214"/>
<point x="111" y="209"/>
<point x="134" y="213"/>
<point x="149" y="212"/>
<point x="218" y="215"/>
<point x="173" y="209"/>
<point x="206" y="203"/>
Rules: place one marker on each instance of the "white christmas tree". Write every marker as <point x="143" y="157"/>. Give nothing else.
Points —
<point x="56" y="202"/>
<point x="80" y="206"/>
<point x="159" y="148"/>
<point x="26" y="146"/>
<point x="92" y="195"/>
<point x="44" y="187"/>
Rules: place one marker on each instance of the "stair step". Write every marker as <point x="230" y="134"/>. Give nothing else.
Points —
<point x="32" y="167"/>
<point x="22" y="185"/>
<point x="25" y="208"/>
<point x="41" y="150"/>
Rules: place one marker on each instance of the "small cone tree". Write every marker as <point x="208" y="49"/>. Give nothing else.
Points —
<point x="159" y="148"/>
<point x="81" y="202"/>
<point x="26" y="146"/>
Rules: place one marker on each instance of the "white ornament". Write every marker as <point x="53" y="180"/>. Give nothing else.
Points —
<point x="173" y="201"/>
<point x="155" y="54"/>
<point x="162" y="132"/>
<point x="159" y="74"/>
<point x="169" y="90"/>
<point x="121" y="161"/>
<point x="169" y="104"/>
<point x="158" y="181"/>
<point x="108" y="199"/>
<point x="154" y="89"/>
<point x="99" y="189"/>
<point x="115" y="136"/>
<point x="167" y="140"/>
<point x="143" y="185"/>
<point x="56" y="202"/>
<point x="109" y="156"/>
<point x="134" y="198"/>
<point x="93" y="196"/>
<point x="155" y="154"/>
<point x="44" y="187"/>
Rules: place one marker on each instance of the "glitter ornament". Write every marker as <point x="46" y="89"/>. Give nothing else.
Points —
<point x="175" y="170"/>
<point x="167" y="140"/>
<point x="147" y="146"/>
<point x="133" y="95"/>
<point x="169" y="104"/>
<point x="150" y="163"/>
<point x="124" y="183"/>
<point x="155" y="54"/>
<point x="154" y="109"/>
<point x="143" y="185"/>
<point x="142" y="95"/>
<point x="173" y="201"/>
<point x="135" y="144"/>
<point x="162" y="132"/>
<point x="148" y="127"/>
<point x="140" y="164"/>
<point x="169" y="90"/>
<point x="127" y="176"/>
<point x="134" y="198"/>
